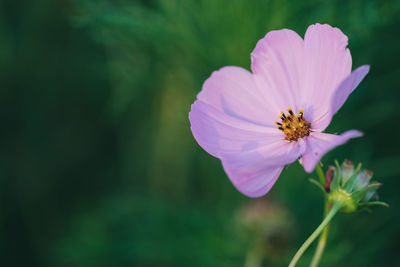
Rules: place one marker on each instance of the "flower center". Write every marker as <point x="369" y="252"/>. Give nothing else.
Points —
<point x="294" y="126"/>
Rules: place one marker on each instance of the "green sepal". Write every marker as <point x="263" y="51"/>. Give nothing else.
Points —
<point x="348" y="186"/>
<point x="373" y="203"/>
<point x="338" y="174"/>
<point x="360" y="194"/>
<point x="335" y="183"/>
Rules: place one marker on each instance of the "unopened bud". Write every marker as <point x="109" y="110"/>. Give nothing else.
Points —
<point x="362" y="179"/>
<point x="347" y="170"/>
<point x="351" y="187"/>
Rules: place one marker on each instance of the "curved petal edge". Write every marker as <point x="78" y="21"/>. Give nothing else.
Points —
<point x="318" y="144"/>
<point x="255" y="184"/>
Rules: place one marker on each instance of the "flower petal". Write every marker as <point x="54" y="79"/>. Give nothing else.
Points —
<point x="276" y="153"/>
<point x="253" y="172"/>
<point x="277" y="62"/>
<point x="318" y="144"/>
<point x="327" y="63"/>
<point x="347" y="87"/>
<point x="217" y="133"/>
<point x="255" y="184"/>
<point x="232" y="90"/>
<point x="340" y="96"/>
<point x="252" y="155"/>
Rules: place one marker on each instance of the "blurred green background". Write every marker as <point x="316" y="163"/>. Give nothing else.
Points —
<point x="98" y="165"/>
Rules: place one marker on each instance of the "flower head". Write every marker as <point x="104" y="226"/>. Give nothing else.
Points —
<point x="351" y="187"/>
<point x="257" y="122"/>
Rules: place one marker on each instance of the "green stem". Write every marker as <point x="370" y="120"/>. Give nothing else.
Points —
<point x="255" y="256"/>
<point x="314" y="235"/>
<point x="322" y="240"/>
<point x="320" y="174"/>
<point x="253" y="259"/>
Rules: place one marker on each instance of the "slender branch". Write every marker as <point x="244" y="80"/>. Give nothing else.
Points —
<point x="255" y="256"/>
<point x="335" y="208"/>
<point x="320" y="174"/>
<point x="322" y="240"/>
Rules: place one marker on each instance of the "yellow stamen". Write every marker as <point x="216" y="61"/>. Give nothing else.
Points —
<point x="294" y="126"/>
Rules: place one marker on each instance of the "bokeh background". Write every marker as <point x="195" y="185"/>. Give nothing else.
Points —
<point x="98" y="165"/>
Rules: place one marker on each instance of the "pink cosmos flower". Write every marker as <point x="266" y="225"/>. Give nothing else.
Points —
<point x="238" y="115"/>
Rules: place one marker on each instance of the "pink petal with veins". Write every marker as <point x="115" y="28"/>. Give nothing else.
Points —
<point x="318" y="144"/>
<point x="233" y="91"/>
<point x="327" y="62"/>
<point x="340" y="95"/>
<point x="277" y="64"/>
<point x="254" y="184"/>
<point x="219" y="133"/>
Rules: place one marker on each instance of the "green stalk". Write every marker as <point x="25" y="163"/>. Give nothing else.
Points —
<point x="322" y="240"/>
<point x="324" y="236"/>
<point x="320" y="174"/>
<point x="335" y="208"/>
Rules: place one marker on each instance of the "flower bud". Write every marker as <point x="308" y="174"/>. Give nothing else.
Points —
<point x="362" y="179"/>
<point x="349" y="187"/>
<point x="347" y="170"/>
